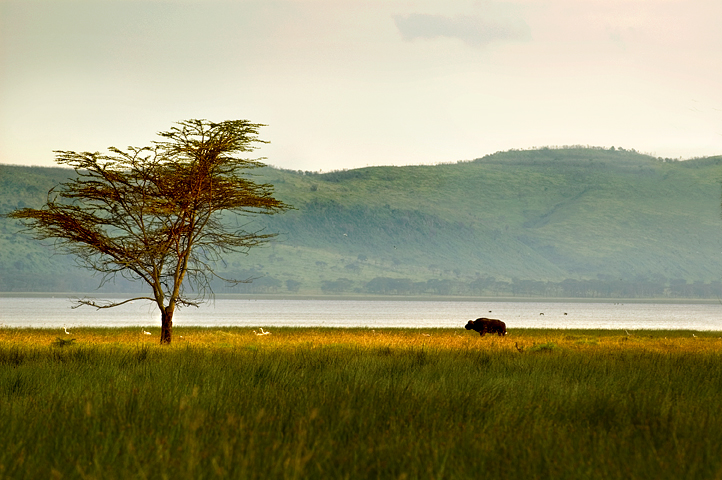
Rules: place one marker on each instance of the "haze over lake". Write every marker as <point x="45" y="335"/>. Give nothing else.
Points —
<point x="47" y="312"/>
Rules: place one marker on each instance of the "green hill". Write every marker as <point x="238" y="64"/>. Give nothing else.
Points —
<point x="551" y="222"/>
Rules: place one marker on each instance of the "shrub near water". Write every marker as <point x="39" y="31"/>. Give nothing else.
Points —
<point x="328" y="403"/>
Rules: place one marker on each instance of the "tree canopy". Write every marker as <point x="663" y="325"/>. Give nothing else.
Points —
<point x="160" y="214"/>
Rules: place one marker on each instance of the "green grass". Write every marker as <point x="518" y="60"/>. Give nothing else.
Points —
<point x="359" y="403"/>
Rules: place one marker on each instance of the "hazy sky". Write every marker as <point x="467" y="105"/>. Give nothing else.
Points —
<point x="350" y="83"/>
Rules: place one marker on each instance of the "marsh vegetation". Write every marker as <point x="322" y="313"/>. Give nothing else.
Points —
<point x="359" y="403"/>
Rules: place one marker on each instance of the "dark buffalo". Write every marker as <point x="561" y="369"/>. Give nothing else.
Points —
<point x="487" y="325"/>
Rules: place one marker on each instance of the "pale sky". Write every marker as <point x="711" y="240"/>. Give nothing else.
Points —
<point x="349" y="83"/>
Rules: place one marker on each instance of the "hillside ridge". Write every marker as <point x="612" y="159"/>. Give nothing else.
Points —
<point x="547" y="222"/>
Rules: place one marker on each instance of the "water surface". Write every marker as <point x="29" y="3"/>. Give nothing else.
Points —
<point x="47" y="312"/>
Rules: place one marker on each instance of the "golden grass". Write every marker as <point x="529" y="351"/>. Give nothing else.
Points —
<point x="438" y="339"/>
<point x="360" y="403"/>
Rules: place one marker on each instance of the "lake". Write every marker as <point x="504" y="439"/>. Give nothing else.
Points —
<point x="49" y="312"/>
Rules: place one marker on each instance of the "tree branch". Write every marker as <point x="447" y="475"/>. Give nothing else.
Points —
<point x="90" y="303"/>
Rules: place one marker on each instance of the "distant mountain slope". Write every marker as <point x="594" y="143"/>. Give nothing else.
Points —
<point x="573" y="221"/>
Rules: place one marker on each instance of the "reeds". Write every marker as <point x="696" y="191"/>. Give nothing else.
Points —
<point x="358" y="403"/>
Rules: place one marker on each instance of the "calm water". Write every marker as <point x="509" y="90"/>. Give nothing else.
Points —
<point x="56" y="312"/>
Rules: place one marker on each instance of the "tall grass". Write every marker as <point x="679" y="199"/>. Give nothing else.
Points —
<point x="333" y="403"/>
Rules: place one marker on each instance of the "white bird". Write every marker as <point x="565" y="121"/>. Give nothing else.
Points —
<point x="66" y="331"/>
<point x="264" y="333"/>
<point x="144" y="332"/>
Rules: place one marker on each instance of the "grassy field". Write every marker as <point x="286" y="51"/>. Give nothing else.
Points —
<point x="359" y="403"/>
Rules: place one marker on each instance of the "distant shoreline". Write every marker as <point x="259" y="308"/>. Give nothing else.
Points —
<point x="400" y="298"/>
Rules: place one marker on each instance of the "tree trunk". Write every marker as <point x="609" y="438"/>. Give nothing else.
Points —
<point x="166" y="328"/>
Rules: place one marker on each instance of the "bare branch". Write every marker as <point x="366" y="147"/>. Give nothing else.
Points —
<point x="91" y="303"/>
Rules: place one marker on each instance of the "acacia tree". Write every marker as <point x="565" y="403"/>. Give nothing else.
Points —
<point x="159" y="214"/>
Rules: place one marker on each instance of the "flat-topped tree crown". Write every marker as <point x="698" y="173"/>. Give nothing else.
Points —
<point x="154" y="213"/>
